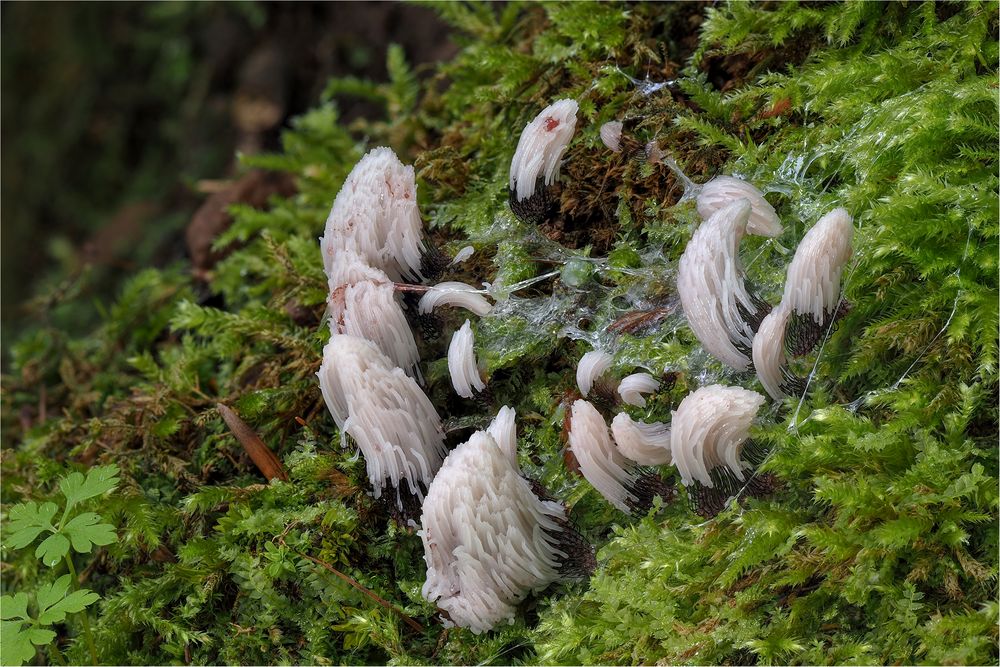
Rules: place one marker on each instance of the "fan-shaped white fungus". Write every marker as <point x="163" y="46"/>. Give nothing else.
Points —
<point x="632" y="387"/>
<point x="463" y="254"/>
<point x="592" y="365"/>
<point x="601" y="463"/>
<point x="723" y="190"/>
<point x="375" y="215"/>
<point x="647" y="444"/>
<point x="488" y="540"/>
<point x="363" y="302"/>
<point x="769" y="358"/>
<point x="611" y="135"/>
<point x="503" y="430"/>
<point x="454" y="294"/>
<point x="708" y="430"/>
<point x="541" y="147"/>
<point x="462" y="363"/>
<point x="812" y="286"/>
<point x="710" y="282"/>
<point x="384" y="411"/>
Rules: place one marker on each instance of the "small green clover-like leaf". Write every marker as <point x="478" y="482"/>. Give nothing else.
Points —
<point x="54" y="604"/>
<point x="40" y="637"/>
<point x="52" y="549"/>
<point x="28" y="521"/>
<point x="49" y="594"/>
<point x="14" y="607"/>
<point x="15" y="643"/>
<point x="78" y="488"/>
<point x="71" y="604"/>
<point x="19" y="634"/>
<point x="84" y="531"/>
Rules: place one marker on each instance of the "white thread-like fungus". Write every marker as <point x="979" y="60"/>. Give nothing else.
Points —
<point x="769" y="358"/>
<point x="710" y="281"/>
<point x="614" y="476"/>
<point x="646" y="444"/>
<point x="463" y="254"/>
<point x="488" y="540"/>
<point x="592" y="365"/>
<point x="454" y="294"/>
<point x="351" y="268"/>
<point x="541" y="147"/>
<point x="503" y="430"/>
<point x="723" y="190"/>
<point x="462" y="365"/>
<point x="384" y="411"/>
<point x="810" y="303"/>
<point x="375" y="215"/>
<point x="363" y="302"/>
<point x="708" y="431"/>
<point x="611" y="135"/>
<point x="812" y="286"/>
<point x="632" y="387"/>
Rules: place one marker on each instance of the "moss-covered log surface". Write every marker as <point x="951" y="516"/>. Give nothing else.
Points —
<point x="879" y="541"/>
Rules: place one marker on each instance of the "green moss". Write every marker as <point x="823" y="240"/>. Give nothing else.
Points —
<point x="880" y="544"/>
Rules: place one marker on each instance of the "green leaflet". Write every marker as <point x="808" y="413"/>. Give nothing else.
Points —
<point x="20" y="633"/>
<point x="78" y="488"/>
<point x="84" y="530"/>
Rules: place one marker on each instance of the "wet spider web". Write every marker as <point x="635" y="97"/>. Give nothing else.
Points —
<point x="547" y="306"/>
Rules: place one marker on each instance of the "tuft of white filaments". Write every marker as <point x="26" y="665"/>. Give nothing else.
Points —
<point x="463" y="254"/>
<point x="363" y="302"/>
<point x="646" y="444"/>
<point x="454" y="294"/>
<point x="611" y="135"/>
<point x="601" y="463"/>
<point x="812" y="285"/>
<point x="462" y="365"/>
<point x="632" y="387"/>
<point x="769" y="359"/>
<point x="488" y="540"/>
<point x="592" y="365"/>
<point x="710" y="282"/>
<point x="708" y="430"/>
<point x="503" y="430"/>
<point x="810" y="302"/>
<point x="351" y="268"/>
<point x="384" y="411"/>
<point x="541" y="147"/>
<point x="375" y="216"/>
<point x="723" y="190"/>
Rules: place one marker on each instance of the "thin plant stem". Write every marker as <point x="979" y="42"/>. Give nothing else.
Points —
<point x="55" y="654"/>
<point x="84" y="614"/>
<point x="350" y="580"/>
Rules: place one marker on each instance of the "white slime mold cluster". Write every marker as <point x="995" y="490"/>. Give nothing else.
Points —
<point x="488" y="540"/>
<point x="491" y="538"/>
<point x="462" y="363"/>
<point x="540" y="148"/>
<point x="375" y="216"/>
<point x="384" y="411"/>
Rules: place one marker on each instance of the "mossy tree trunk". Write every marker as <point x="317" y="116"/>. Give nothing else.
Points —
<point x="879" y="544"/>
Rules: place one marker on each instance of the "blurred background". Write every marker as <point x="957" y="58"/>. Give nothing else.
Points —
<point x="119" y="120"/>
